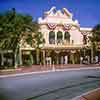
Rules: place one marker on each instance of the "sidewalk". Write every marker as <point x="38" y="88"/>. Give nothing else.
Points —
<point x="91" y="95"/>
<point x="46" y="68"/>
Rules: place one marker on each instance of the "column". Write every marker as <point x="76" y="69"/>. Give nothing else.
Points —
<point x="57" y="52"/>
<point x="66" y="59"/>
<point x="63" y="37"/>
<point x="92" y="55"/>
<point x="20" y="57"/>
<point x="57" y="58"/>
<point x="15" y="57"/>
<point x="2" y="59"/>
<point x="44" y="57"/>
<point x="62" y="60"/>
<point x="55" y="37"/>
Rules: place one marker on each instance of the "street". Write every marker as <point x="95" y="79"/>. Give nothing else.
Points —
<point x="62" y="85"/>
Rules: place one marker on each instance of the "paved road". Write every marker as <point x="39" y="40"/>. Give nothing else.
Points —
<point x="49" y="86"/>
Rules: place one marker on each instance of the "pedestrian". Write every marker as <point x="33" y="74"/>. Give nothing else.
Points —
<point x="81" y="60"/>
<point x="96" y="59"/>
<point x="99" y="59"/>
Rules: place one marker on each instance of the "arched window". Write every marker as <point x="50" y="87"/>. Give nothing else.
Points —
<point x="67" y="36"/>
<point x="52" y="37"/>
<point x="59" y="37"/>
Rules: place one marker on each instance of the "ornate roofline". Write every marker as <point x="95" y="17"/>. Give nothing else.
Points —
<point x="63" y="11"/>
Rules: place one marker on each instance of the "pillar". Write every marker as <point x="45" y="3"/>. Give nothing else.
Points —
<point x="2" y="59"/>
<point x="57" y="53"/>
<point x="44" y="57"/>
<point x="55" y="38"/>
<point x="57" y="58"/>
<point x="63" y="37"/>
<point x="66" y="59"/>
<point x="92" y="55"/>
<point x="20" y="57"/>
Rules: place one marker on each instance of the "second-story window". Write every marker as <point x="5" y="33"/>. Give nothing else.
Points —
<point x="67" y="37"/>
<point x="59" y="37"/>
<point x="51" y="37"/>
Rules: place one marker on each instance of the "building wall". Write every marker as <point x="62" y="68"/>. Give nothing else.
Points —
<point x="61" y="18"/>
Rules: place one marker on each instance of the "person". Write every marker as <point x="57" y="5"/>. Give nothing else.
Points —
<point x="99" y="59"/>
<point x="81" y="60"/>
<point x="66" y="59"/>
<point x="96" y="59"/>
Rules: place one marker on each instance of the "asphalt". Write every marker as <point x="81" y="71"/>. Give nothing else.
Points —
<point x="53" y="85"/>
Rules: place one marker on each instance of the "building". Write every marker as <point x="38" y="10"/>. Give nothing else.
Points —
<point x="65" y="41"/>
<point x="64" y="38"/>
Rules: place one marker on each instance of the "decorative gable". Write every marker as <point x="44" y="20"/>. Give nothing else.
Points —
<point x="66" y="12"/>
<point x="57" y="17"/>
<point x="58" y="13"/>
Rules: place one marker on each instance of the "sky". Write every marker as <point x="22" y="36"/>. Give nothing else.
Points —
<point x="87" y="12"/>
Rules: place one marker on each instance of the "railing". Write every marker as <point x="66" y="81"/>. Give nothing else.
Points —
<point x="63" y="45"/>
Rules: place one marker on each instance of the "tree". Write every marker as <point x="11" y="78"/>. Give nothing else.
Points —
<point x="13" y="27"/>
<point x="95" y="40"/>
<point x="38" y="44"/>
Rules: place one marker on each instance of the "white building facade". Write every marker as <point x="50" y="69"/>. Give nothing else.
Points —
<point x="65" y="41"/>
<point x="64" y="38"/>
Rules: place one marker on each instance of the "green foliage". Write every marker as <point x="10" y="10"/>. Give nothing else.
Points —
<point x="95" y="41"/>
<point x="95" y="34"/>
<point x="29" y="39"/>
<point x="39" y="39"/>
<point x="13" y="26"/>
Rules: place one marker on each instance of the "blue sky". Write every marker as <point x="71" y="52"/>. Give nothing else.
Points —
<point x="87" y="12"/>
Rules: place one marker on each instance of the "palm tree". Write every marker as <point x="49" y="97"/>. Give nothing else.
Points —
<point x="95" y="40"/>
<point x="13" y="26"/>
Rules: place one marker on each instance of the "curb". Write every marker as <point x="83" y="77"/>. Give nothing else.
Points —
<point x="53" y="70"/>
<point x="7" y="70"/>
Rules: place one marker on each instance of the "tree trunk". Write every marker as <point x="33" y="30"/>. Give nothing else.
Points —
<point x="20" y="57"/>
<point x="2" y="58"/>
<point x="37" y="56"/>
<point x="92" y="55"/>
<point x="93" y="49"/>
<point x="15" y="59"/>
